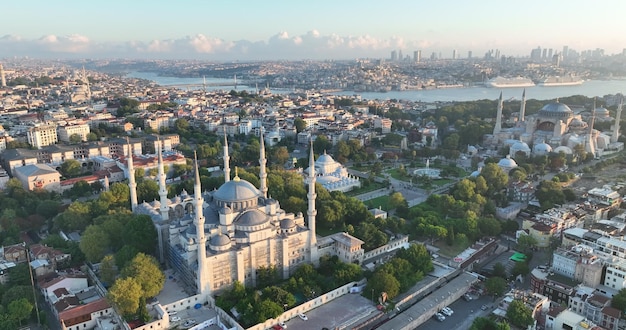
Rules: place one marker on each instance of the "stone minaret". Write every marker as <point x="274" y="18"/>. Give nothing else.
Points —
<point x="2" y="77"/>
<point x="591" y="145"/>
<point x="312" y="212"/>
<point x="106" y="183"/>
<point x="522" y="108"/>
<point x="203" y="282"/>
<point x="263" y="170"/>
<point x="618" y="117"/>
<point x="498" y="127"/>
<point x="226" y="159"/>
<point x="131" y="176"/>
<point x="165" y="209"/>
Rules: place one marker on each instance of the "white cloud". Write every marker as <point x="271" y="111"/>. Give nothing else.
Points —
<point x="310" y="45"/>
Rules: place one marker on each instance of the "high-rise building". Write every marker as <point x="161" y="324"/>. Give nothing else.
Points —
<point x="565" y="52"/>
<point x="42" y="135"/>
<point x="417" y="56"/>
<point x="550" y="53"/>
<point x="469" y="54"/>
<point x="544" y="54"/>
<point x="454" y="54"/>
<point x="394" y="56"/>
<point x="400" y="58"/>
<point x="2" y="77"/>
<point x="535" y="54"/>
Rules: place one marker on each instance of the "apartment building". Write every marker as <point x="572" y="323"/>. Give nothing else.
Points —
<point x="42" y="135"/>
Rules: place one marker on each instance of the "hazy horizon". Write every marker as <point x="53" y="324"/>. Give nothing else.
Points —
<point x="237" y="30"/>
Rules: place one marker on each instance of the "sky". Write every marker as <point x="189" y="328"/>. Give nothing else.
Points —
<point x="303" y="29"/>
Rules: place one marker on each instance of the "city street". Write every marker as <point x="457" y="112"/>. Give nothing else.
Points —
<point x="464" y="314"/>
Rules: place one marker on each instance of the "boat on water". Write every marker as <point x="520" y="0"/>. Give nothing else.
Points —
<point x="561" y="81"/>
<point x="503" y="82"/>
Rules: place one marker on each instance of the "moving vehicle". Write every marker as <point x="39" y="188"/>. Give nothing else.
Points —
<point x="483" y="307"/>
<point x="302" y="316"/>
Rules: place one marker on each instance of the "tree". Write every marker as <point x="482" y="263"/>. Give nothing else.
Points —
<point x="396" y="200"/>
<point x="108" y="270"/>
<point x="20" y="309"/>
<point x="94" y="243"/>
<point x="519" y="315"/>
<point x="280" y="155"/>
<point x="526" y="243"/>
<point x="125" y="255"/>
<point x="495" y="286"/>
<point x="145" y="270"/>
<point x="495" y="178"/>
<point x="75" y="139"/>
<point x="300" y="124"/>
<point x="48" y="208"/>
<point x="619" y="300"/>
<point x="19" y="275"/>
<point x="489" y="226"/>
<point x="383" y="282"/>
<point x="520" y="268"/>
<point x="140" y="233"/>
<point x="71" y="168"/>
<point x="499" y="270"/>
<point x="125" y="294"/>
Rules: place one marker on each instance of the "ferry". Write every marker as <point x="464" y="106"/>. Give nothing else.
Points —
<point x="561" y="81"/>
<point x="502" y="82"/>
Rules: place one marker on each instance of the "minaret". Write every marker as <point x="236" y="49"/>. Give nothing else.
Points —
<point x="165" y="214"/>
<point x="498" y="126"/>
<point x="131" y="177"/>
<point x="618" y="117"/>
<point x="88" y="87"/>
<point x="2" y="77"/>
<point x="311" y="196"/>
<point x="262" y="170"/>
<point x="522" y="108"/>
<point x="226" y="159"/>
<point x="106" y="183"/>
<point x="203" y="282"/>
<point x="591" y="145"/>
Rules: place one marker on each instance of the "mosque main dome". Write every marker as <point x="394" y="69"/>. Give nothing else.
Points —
<point x="237" y="194"/>
<point x="556" y="109"/>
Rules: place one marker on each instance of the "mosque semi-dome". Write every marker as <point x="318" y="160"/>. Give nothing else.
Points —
<point x="251" y="218"/>
<point x="219" y="240"/>
<point x="287" y="223"/>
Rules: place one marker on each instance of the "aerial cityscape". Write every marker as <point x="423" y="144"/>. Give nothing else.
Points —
<point x="229" y="165"/>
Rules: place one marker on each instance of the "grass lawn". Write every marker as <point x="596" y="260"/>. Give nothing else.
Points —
<point x="325" y="231"/>
<point x="451" y="251"/>
<point x="395" y="173"/>
<point x="382" y="201"/>
<point x="371" y="187"/>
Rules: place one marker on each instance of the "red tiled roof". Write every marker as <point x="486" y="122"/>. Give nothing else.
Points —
<point x="83" y="310"/>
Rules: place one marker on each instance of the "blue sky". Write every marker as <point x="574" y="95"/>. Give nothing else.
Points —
<point x="244" y="30"/>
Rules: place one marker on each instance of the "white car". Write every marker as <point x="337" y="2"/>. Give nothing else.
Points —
<point x="282" y="325"/>
<point x="302" y="316"/>
<point x="175" y="319"/>
<point x="440" y="317"/>
<point x="447" y="311"/>
<point x="172" y="313"/>
<point x="189" y="323"/>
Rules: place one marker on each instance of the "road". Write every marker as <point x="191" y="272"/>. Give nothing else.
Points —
<point x="464" y="314"/>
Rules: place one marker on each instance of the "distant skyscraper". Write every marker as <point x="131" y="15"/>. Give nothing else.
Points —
<point x="469" y="54"/>
<point x="4" y="81"/>
<point x="550" y="53"/>
<point x="454" y="54"/>
<point x="565" y="52"/>
<point x="556" y="60"/>
<point x="535" y="54"/>
<point x="497" y="54"/>
<point x="394" y="55"/>
<point x="417" y="56"/>
<point x="400" y="58"/>
<point x="544" y="54"/>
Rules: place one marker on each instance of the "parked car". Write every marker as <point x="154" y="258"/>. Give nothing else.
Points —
<point x="483" y="307"/>
<point x="302" y="316"/>
<point x="447" y="311"/>
<point x="172" y="313"/>
<point x="467" y="297"/>
<point x="189" y="323"/>
<point x="283" y="325"/>
<point x="440" y="317"/>
<point x="175" y="319"/>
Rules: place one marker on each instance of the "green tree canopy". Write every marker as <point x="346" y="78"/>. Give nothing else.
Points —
<point x="94" y="243"/>
<point x="145" y="270"/>
<point x="20" y="309"/>
<point x="495" y="286"/>
<point x="125" y="294"/>
<point x="71" y="168"/>
<point x="519" y="314"/>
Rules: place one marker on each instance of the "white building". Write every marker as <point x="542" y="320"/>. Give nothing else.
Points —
<point x="334" y="176"/>
<point x="42" y="135"/>
<point x="65" y="132"/>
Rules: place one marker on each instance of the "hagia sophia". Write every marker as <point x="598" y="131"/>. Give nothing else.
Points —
<point x="212" y="239"/>
<point x="555" y="128"/>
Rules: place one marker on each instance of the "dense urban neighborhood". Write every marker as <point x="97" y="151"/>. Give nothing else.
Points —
<point x="280" y="201"/>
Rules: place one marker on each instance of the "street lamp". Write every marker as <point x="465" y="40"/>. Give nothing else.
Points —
<point x="373" y="297"/>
